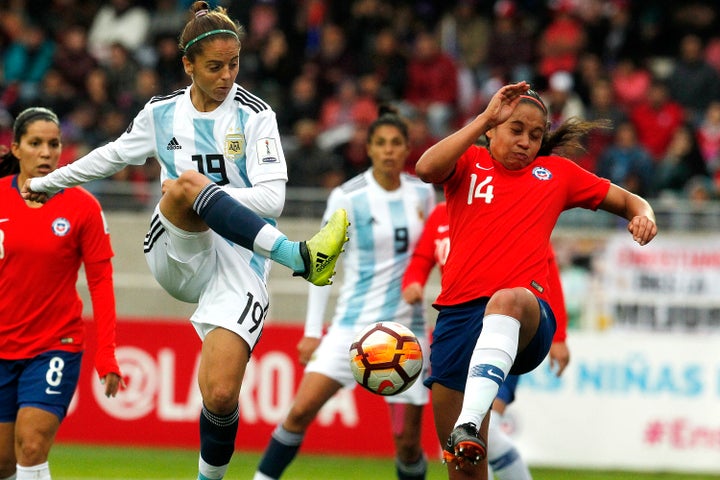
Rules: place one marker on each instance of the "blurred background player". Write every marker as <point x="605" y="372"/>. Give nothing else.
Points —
<point x="222" y="168"/>
<point x="387" y="210"/>
<point x="42" y="333"/>
<point x="432" y="249"/>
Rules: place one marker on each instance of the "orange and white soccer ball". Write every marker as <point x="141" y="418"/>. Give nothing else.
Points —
<point x="386" y="358"/>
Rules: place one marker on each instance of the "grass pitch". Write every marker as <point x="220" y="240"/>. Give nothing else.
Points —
<point x="81" y="462"/>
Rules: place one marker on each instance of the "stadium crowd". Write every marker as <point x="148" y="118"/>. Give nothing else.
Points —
<point x="652" y="67"/>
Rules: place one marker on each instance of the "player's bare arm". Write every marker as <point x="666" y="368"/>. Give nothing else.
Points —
<point x="636" y="209"/>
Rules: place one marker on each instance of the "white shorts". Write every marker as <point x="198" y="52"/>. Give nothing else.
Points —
<point x="204" y="268"/>
<point x="332" y="360"/>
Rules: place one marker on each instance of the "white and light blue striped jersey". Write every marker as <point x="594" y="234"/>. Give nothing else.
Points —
<point x="237" y="144"/>
<point x="384" y="228"/>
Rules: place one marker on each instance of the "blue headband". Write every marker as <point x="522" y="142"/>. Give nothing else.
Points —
<point x="207" y="34"/>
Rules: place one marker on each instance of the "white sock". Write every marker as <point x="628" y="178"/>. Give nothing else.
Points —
<point x="490" y="363"/>
<point x="504" y="459"/>
<point x="36" y="472"/>
<point x="210" y="472"/>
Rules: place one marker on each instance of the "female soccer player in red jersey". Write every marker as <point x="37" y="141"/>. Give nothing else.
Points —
<point x="42" y="332"/>
<point x="432" y="249"/>
<point x="503" y="202"/>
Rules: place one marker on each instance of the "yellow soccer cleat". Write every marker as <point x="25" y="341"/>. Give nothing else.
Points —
<point x="321" y="252"/>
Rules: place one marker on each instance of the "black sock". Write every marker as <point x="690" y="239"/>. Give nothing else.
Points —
<point x="228" y="217"/>
<point x="217" y="436"/>
<point x="280" y="452"/>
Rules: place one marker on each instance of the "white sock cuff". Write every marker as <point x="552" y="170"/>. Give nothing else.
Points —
<point x="501" y="332"/>
<point x="266" y="239"/>
<point x="39" y="472"/>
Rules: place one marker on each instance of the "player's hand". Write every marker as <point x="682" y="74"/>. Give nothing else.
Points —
<point x="503" y="103"/>
<point x="306" y="347"/>
<point x="642" y="228"/>
<point x="28" y="194"/>
<point x="559" y="357"/>
<point x="113" y="383"/>
<point x="413" y="293"/>
<point x="166" y="184"/>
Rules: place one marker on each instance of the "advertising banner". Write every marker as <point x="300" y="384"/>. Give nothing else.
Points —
<point x="162" y="403"/>
<point x="637" y="401"/>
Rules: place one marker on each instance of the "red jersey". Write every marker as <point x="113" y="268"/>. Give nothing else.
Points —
<point x="501" y="221"/>
<point x="433" y="248"/>
<point x="41" y="250"/>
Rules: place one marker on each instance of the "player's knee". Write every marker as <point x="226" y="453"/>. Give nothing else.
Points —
<point x="298" y="419"/>
<point x="221" y="400"/>
<point x="510" y="301"/>
<point x="32" y="451"/>
<point x="188" y="185"/>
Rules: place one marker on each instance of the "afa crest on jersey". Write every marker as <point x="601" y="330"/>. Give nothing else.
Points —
<point x="61" y="226"/>
<point x="234" y="145"/>
<point x="542" y="173"/>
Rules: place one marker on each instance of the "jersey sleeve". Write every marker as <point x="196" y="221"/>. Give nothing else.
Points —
<point x="422" y="260"/>
<point x="263" y="150"/>
<point x="96" y="256"/>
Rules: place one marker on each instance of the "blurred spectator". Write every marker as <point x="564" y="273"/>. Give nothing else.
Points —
<point x="341" y="112"/>
<point x="26" y="61"/>
<point x="276" y="68"/>
<point x="561" y="100"/>
<point x="354" y="152"/>
<point x="118" y="21"/>
<point x="465" y="35"/>
<point x="626" y="162"/>
<point x="602" y="106"/>
<point x="168" y="64"/>
<point x="72" y="59"/>
<point x="333" y="62"/>
<point x="589" y="70"/>
<point x="432" y="86"/>
<point x="681" y="162"/>
<point x="420" y="139"/>
<point x="656" y="119"/>
<point x="511" y="55"/>
<point x="147" y="85"/>
<point x="308" y="164"/>
<point x="621" y="38"/>
<point x="631" y="82"/>
<point x="388" y="63"/>
<point x="693" y="82"/>
<point x="708" y="135"/>
<point x="303" y="102"/>
<point x="121" y="70"/>
<point x="56" y="94"/>
<point x="560" y="41"/>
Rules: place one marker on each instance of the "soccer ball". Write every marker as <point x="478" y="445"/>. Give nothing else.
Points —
<point x="386" y="358"/>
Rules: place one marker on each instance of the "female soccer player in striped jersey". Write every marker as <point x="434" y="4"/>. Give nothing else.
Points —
<point x="503" y="201"/>
<point x="387" y="210"/>
<point x="222" y="170"/>
<point x="42" y="334"/>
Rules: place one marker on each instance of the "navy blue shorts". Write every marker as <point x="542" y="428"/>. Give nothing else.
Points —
<point x="456" y="332"/>
<point x="506" y="393"/>
<point x="47" y="382"/>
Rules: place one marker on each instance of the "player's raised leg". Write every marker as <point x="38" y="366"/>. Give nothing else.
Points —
<point x="194" y="203"/>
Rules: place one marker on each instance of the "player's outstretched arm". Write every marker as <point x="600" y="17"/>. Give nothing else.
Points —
<point x="635" y="209"/>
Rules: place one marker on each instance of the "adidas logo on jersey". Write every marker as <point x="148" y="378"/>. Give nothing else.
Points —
<point x="322" y="260"/>
<point x="173" y="144"/>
